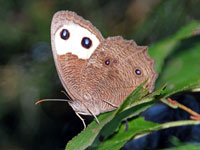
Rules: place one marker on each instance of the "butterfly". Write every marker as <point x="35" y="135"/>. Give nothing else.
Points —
<point x="98" y="73"/>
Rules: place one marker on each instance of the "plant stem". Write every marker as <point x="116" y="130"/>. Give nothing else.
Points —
<point x="175" y="104"/>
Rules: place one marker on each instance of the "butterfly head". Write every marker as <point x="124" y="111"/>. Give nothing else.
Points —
<point x="84" y="108"/>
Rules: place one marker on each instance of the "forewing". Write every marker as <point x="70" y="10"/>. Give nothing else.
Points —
<point x="69" y="54"/>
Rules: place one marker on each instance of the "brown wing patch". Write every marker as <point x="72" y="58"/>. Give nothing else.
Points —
<point x="69" y="69"/>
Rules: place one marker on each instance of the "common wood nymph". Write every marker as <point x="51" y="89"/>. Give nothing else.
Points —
<point x="98" y="73"/>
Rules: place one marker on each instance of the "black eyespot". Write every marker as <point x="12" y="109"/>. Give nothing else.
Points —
<point x="107" y="62"/>
<point x="138" y="72"/>
<point x="86" y="42"/>
<point x="64" y="34"/>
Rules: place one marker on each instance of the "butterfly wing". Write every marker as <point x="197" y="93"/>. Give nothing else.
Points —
<point x="114" y="70"/>
<point x="70" y="51"/>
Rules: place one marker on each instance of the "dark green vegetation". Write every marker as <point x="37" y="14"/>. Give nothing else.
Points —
<point x="27" y="71"/>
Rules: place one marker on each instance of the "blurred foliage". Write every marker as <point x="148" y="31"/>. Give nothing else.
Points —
<point x="27" y="71"/>
<point x="178" y="145"/>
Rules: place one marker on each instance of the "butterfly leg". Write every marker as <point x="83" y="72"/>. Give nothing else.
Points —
<point x="92" y="114"/>
<point x="95" y="117"/>
<point x="113" y="105"/>
<point x="81" y="120"/>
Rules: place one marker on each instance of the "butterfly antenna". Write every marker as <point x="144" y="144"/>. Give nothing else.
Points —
<point x="66" y="94"/>
<point x="54" y="100"/>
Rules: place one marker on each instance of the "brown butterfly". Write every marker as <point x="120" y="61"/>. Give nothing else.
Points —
<point x="97" y="73"/>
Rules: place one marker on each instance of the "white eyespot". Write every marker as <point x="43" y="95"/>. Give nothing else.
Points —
<point x="72" y="38"/>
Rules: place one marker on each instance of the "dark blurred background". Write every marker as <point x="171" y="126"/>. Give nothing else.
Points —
<point x="27" y="70"/>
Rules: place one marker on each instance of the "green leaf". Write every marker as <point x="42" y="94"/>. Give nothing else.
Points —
<point x="178" y="145"/>
<point x="189" y="84"/>
<point x="133" y="110"/>
<point x="137" y="128"/>
<point x="188" y="146"/>
<point x="164" y="48"/>
<point x="136" y="95"/>
<point x="113" y="125"/>
<point x="160" y="51"/>
<point x="182" y="72"/>
<point x="87" y="136"/>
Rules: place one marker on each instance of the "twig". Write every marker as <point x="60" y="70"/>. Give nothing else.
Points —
<point x="175" y="104"/>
